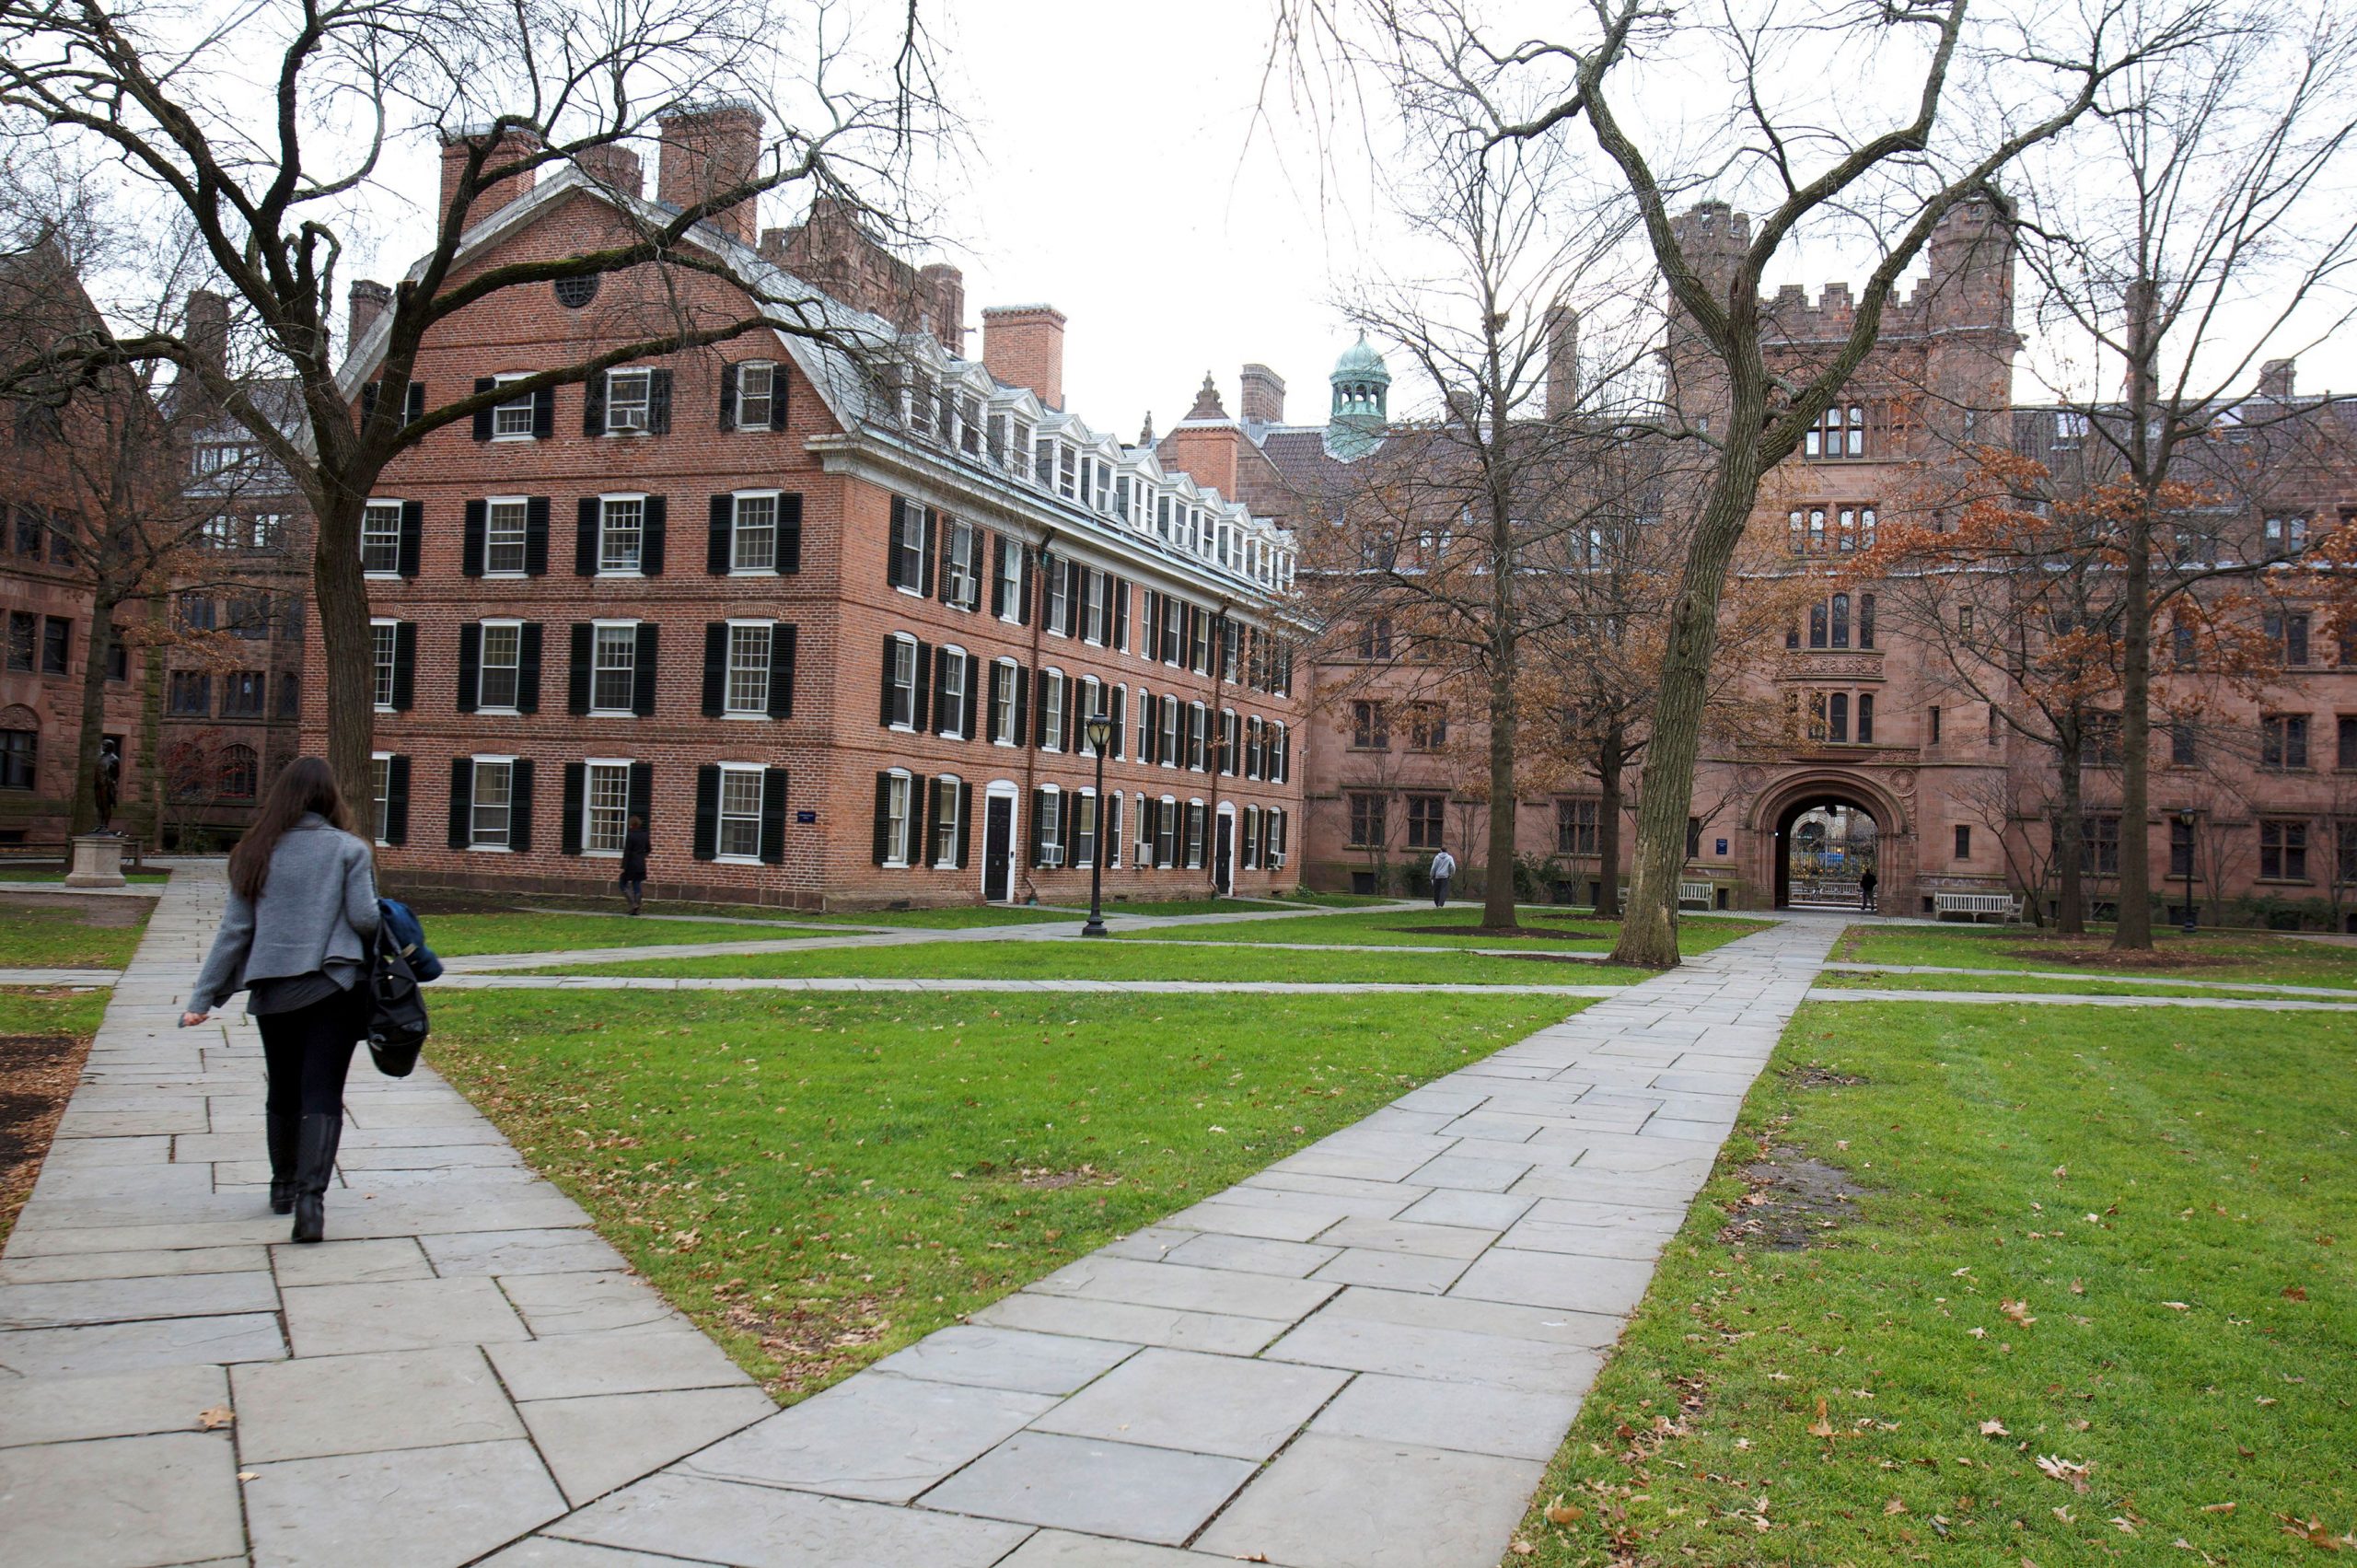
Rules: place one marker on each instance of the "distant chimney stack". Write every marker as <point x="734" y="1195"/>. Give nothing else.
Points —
<point x="706" y="153"/>
<point x="512" y="145"/>
<point x="1023" y="345"/>
<point x="208" y="330"/>
<point x="365" y="301"/>
<point x="1262" y="395"/>
<point x="1562" y="361"/>
<point x="2275" y="378"/>
<point x="615" y="167"/>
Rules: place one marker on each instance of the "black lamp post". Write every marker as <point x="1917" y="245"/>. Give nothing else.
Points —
<point x="1099" y="728"/>
<point x="2184" y="816"/>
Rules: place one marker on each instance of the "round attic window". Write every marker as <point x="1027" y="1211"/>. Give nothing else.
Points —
<point x="574" y="292"/>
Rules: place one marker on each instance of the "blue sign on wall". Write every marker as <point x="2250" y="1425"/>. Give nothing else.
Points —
<point x="1723" y="845"/>
<point x="805" y="818"/>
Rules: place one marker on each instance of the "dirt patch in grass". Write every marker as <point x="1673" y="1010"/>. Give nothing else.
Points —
<point x="2129" y="962"/>
<point x="811" y="1348"/>
<point x="37" y="1077"/>
<point x="1822" y="1078"/>
<point x="110" y="913"/>
<point x="1552" y="933"/>
<point x="1793" y="1202"/>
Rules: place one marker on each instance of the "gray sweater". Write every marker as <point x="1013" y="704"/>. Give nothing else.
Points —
<point x="317" y="905"/>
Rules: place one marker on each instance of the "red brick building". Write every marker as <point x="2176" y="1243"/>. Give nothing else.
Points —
<point x="830" y="614"/>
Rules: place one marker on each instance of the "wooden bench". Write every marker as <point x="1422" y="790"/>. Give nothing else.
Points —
<point x="1694" y="893"/>
<point x="1974" y="905"/>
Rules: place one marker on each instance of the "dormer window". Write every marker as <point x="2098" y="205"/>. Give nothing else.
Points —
<point x="1043" y="463"/>
<point x="998" y="437"/>
<point x="1018" y="448"/>
<point x="921" y="403"/>
<point x="1067" y="472"/>
<point x="970" y="426"/>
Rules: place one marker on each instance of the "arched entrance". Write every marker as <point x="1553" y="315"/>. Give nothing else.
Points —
<point x="1827" y="840"/>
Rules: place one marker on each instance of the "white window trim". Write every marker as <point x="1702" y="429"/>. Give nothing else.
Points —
<point x="1040" y="724"/>
<point x="596" y="627"/>
<point x="1060" y="844"/>
<point x="603" y="501"/>
<point x="520" y="572"/>
<point x="510" y="711"/>
<point x="777" y="527"/>
<point x="474" y="794"/>
<point x="1015" y="674"/>
<point x="911" y="824"/>
<point x="914" y="513"/>
<point x="966" y="689"/>
<point x="526" y="434"/>
<point x="900" y="640"/>
<point x="974" y="573"/>
<point x="613" y="370"/>
<point x="758" y="770"/>
<point x="727" y="670"/>
<point x="386" y="757"/>
<point x="1021" y="553"/>
<point x="366" y="506"/>
<point x="743" y="365"/>
<point x="375" y="621"/>
<point x="625" y="763"/>
<point x="1096" y="829"/>
<point x="957" y="785"/>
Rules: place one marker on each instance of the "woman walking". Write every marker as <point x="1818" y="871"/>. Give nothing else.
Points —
<point x="635" y="849"/>
<point x="302" y="914"/>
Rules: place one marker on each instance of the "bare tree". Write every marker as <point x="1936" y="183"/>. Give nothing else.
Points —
<point x="265" y="134"/>
<point x="1949" y="101"/>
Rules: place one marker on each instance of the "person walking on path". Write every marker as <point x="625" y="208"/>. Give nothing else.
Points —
<point x="635" y="849"/>
<point x="1444" y="867"/>
<point x="297" y="938"/>
<point x="1866" y="886"/>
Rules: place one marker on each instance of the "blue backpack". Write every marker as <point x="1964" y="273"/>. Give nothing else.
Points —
<point x="409" y="939"/>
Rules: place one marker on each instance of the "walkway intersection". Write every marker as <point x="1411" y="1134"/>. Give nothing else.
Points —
<point x="1361" y="1356"/>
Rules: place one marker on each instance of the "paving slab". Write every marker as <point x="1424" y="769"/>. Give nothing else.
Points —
<point x="1470" y="1418"/>
<point x="397" y="1314"/>
<point x="878" y="1438"/>
<point x="410" y="1508"/>
<point x="576" y="1365"/>
<point x="122" y="1502"/>
<point x="1410" y="1506"/>
<point x="546" y="1251"/>
<point x="766" y="1526"/>
<point x="117" y="1404"/>
<point x="355" y="1404"/>
<point x="1157" y="1495"/>
<point x="351" y="1263"/>
<point x="130" y="1347"/>
<point x="594" y="1445"/>
<point x="1244" y="1408"/>
<point x="1007" y="1358"/>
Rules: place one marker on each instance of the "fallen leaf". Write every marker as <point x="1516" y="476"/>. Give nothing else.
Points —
<point x="1561" y="1513"/>
<point x="216" y="1418"/>
<point x="1520" y="1549"/>
<point x="1994" y="1429"/>
<point x="2217" y="1507"/>
<point x="2068" y="1470"/>
<point x="249" y="1475"/>
<point x="2018" y="1311"/>
<point x="1821" y="1426"/>
<point x="2078" y="1287"/>
<point x="1894" y="1506"/>
<point x="1977" y="1333"/>
<point x="2315" y="1533"/>
<point x="2176" y="1306"/>
<point x="2293" y="1292"/>
<point x="2126" y="1526"/>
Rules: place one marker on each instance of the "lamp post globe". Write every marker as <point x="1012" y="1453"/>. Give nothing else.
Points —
<point x="1098" y="728"/>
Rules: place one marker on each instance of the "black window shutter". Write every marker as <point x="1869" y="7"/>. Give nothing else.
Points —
<point x="1075" y="597"/>
<point x="942" y="717"/>
<point x="782" y="669"/>
<point x="965" y="822"/>
<point x="1120" y="713"/>
<point x="659" y="402"/>
<point x="892" y="552"/>
<point x="1022" y="736"/>
<point x="1109" y="830"/>
<point x="1023" y="587"/>
<point x="922" y="697"/>
<point x="707" y="845"/>
<point x="1039" y="806"/>
<point x="1071" y="715"/>
<point x="405" y="666"/>
<point x="519" y="806"/>
<point x="397" y="800"/>
<point x="989" y="545"/>
<point x="789" y="534"/>
<point x="716" y="669"/>
<point x="932" y="549"/>
<point x="1121" y="614"/>
<point x="777" y="396"/>
<point x="462" y="799"/>
<point x="584" y="538"/>
<point x="773" y="815"/>
<point x="593" y="405"/>
<point x="528" y="668"/>
<point x="976" y="672"/>
<point x="728" y="397"/>
<point x="924" y="854"/>
<point x="470" y="547"/>
<point x="413" y="536"/>
<point x="650" y="548"/>
<point x="535" y="536"/>
<point x="883" y="815"/>
<point x="577" y="700"/>
<point x="544" y="414"/>
<point x="642" y="791"/>
<point x="576" y="783"/>
<point x="470" y="664"/>
<point x="1039" y="709"/>
<point x="724" y="518"/>
<point x="413" y="402"/>
<point x="643" y="683"/>
<point x="884" y="715"/>
<point x="482" y="415"/>
<point x="368" y="402"/>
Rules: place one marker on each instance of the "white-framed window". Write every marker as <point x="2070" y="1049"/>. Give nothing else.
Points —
<point x="948" y="789"/>
<point x="1111" y="828"/>
<point x="949" y="700"/>
<point x="605" y="805"/>
<point x="621" y="534"/>
<point x="908" y="547"/>
<point x="496" y="673"/>
<point x="1050" y="825"/>
<point x="380" y="795"/>
<point x="752" y="535"/>
<point x="1083" y="828"/>
<point x="1095" y="617"/>
<point x="1091" y="703"/>
<point x="1278" y="763"/>
<point x="630" y="396"/>
<point x="1199" y="720"/>
<point x="1143" y="701"/>
<point x="1013" y="584"/>
<point x="1052" y="620"/>
<point x="492" y="822"/>
<point x="748" y="691"/>
<point x="1165" y="832"/>
<point x="1004" y="676"/>
<point x="1171" y="757"/>
<point x="961" y="561"/>
<point x="614" y="666"/>
<point x="738" y="838"/>
<point x="384" y="648"/>
<point x="1018" y="448"/>
<point x="512" y="420"/>
<point x="503" y="529"/>
<point x="900" y="817"/>
<point x="380" y="539"/>
<point x="756" y="392"/>
<point x="1052" y="710"/>
<point x="904" y="683"/>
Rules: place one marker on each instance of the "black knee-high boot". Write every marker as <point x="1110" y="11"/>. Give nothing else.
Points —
<point x="281" y="1130"/>
<point x="315" y="1165"/>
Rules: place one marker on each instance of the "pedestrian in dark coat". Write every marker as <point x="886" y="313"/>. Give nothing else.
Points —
<point x="635" y="849"/>
<point x="1866" y="886"/>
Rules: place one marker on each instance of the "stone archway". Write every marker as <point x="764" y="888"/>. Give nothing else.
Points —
<point x="1851" y="823"/>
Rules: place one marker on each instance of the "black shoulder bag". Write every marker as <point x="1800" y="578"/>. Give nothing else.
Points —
<point x="397" y="1021"/>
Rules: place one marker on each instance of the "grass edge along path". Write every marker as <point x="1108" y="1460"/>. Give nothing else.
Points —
<point x="2075" y="1280"/>
<point x="49" y="1033"/>
<point x="1395" y="927"/>
<point x="70" y="934"/>
<point x="819" y="1182"/>
<point x="2217" y="955"/>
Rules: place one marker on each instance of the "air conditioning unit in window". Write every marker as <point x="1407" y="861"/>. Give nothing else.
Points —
<point x="1277" y="861"/>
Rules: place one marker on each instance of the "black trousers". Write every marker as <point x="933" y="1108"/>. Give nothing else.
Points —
<point x="309" y="1050"/>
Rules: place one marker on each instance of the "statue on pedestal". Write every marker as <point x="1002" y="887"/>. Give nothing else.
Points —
<point x="109" y="783"/>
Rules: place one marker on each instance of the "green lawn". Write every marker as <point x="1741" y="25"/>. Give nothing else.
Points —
<point x="957" y="917"/>
<point x="1402" y="928"/>
<point x="459" y="935"/>
<point x="1197" y="906"/>
<point x="2230" y="955"/>
<point x="30" y="874"/>
<point x="2119" y="1241"/>
<point x="820" y="1182"/>
<point x="81" y="934"/>
<point x="1105" y="960"/>
<point x="2030" y="985"/>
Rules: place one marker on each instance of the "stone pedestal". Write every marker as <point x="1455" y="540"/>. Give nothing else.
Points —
<point x="98" y="861"/>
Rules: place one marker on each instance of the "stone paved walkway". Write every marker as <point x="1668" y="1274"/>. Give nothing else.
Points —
<point x="1154" y="987"/>
<point x="60" y="976"/>
<point x="1358" y="1358"/>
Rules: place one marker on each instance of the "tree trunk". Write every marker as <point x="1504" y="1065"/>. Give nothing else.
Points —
<point x="96" y="650"/>
<point x="2069" y="834"/>
<point x="348" y="649"/>
<point x="1607" y="823"/>
<point x="1497" y="892"/>
<point x="2134" y="929"/>
<point x="1649" y="928"/>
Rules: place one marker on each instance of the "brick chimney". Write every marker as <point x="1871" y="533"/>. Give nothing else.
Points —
<point x="1562" y="361"/>
<point x="208" y="330"/>
<point x="1023" y="345"/>
<point x="499" y="192"/>
<point x="2275" y="378"/>
<point x="706" y="153"/>
<point x="366" y="300"/>
<point x="613" y="165"/>
<point x="1261" y="395"/>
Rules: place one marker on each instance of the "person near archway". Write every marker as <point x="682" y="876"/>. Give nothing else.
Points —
<point x="1866" y="885"/>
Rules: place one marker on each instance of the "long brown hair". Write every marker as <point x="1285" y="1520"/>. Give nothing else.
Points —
<point x="307" y="783"/>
